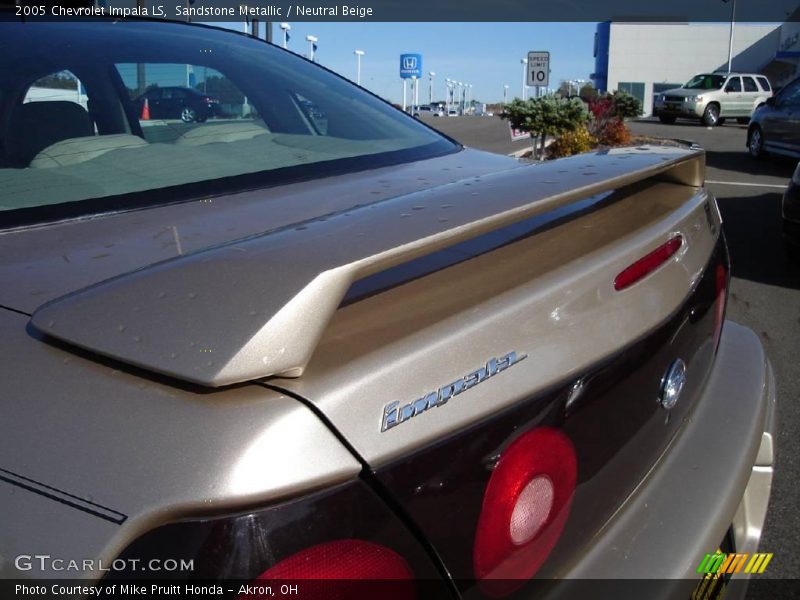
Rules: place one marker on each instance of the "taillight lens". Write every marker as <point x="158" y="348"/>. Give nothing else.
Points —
<point x="647" y="264"/>
<point x="525" y="507"/>
<point x="342" y="542"/>
<point x="342" y="569"/>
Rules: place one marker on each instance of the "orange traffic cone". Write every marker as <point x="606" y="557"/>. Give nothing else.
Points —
<point x="145" y="111"/>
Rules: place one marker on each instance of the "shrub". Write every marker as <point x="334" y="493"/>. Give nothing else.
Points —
<point x="601" y="109"/>
<point x="625" y="106"/>
<point x="608" y="113"/>
<point x="615" y="133"/>
<point x="546" y="115"/>
<point x="572" y="142"/>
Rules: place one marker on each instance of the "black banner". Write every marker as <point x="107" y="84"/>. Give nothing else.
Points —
<point x="677" y="11"/>
<point x="302" y="589"/>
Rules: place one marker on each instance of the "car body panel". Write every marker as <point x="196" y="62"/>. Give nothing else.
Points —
<point x="609" y="412"/>
<point x="550" y="297"/>
<point x="146" y="450"/>
<point x="779" y="122"/>
<point x="292" y="280"/>
<point x="790" y="210"/>
<point x="81" y="535"/>
<point x="686" y="505"/>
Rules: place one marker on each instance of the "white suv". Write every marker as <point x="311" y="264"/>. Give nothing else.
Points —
<point x="713" y="97"/>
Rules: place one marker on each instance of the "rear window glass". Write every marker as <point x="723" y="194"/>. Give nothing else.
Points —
<point x="764" y="84"/>
<point x="62" y="85"/>
<point x="180" y="109"/>
<point x="749" y="84"/>
<point x="734" y="85"/>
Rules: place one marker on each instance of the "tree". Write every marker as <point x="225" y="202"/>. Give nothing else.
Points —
<point x="588" y="93"/>
<point x="546" y="115"/>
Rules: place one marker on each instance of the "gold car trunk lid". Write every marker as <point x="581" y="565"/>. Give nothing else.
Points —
<point x="259" y="306"/>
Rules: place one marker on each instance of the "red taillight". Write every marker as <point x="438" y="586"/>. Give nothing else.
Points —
<point x="647" y="264"/>
<point x="524" y="510"/>
<point x="349" y="562"/>
<point x="719" y="308"/>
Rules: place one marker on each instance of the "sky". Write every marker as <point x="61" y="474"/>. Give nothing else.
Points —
<point x="487" y="55"/>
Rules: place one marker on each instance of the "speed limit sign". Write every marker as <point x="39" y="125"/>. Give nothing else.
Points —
<point x="539" y="68"/>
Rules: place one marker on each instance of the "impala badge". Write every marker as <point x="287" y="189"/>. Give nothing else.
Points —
<point x="395" y="414"/>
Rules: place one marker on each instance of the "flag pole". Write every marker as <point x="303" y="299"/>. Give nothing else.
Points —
<point x="730" y="37"/>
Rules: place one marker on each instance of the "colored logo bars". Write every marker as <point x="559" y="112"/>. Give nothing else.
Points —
<point x="721" y="563"/>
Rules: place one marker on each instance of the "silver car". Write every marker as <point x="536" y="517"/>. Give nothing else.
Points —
<point x="358" y="360"/>
<point x="775" y="127"/>
<point x="714" y="97"/>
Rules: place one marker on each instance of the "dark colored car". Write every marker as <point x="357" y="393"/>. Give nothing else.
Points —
<point x="791" y="215"/>
<point x="182" y="103"/>
<point x="775" y="126"/>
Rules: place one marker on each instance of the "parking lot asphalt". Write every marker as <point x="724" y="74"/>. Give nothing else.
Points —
<point x="485" y="133"/>
<point x="765" y="285"/>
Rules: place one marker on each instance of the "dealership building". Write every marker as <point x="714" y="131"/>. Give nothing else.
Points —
<point x="645" y="59"/>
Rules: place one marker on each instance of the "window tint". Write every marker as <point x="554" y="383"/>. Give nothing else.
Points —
<point x="734" y="85"/>
<point x="749" y="84"/>
<point x="184" y="109"/>
<point x="764" y="82"/>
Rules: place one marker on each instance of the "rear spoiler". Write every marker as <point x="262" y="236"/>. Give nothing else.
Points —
<point x="258" y="306"/>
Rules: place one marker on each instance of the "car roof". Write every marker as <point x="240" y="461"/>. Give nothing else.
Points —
<point x="738" y="73"/>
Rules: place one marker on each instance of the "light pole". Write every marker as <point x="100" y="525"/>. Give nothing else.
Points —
<point x="285" y="27"/>
<point x="505" y="94"/>
<point x="730" y="37"/>
<point x="524" y="62"/>
<point x="312" y="40"/>
<point x="430" y="87"/>
<point x="359" y="54"/>
<point x="469" y="97"/>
